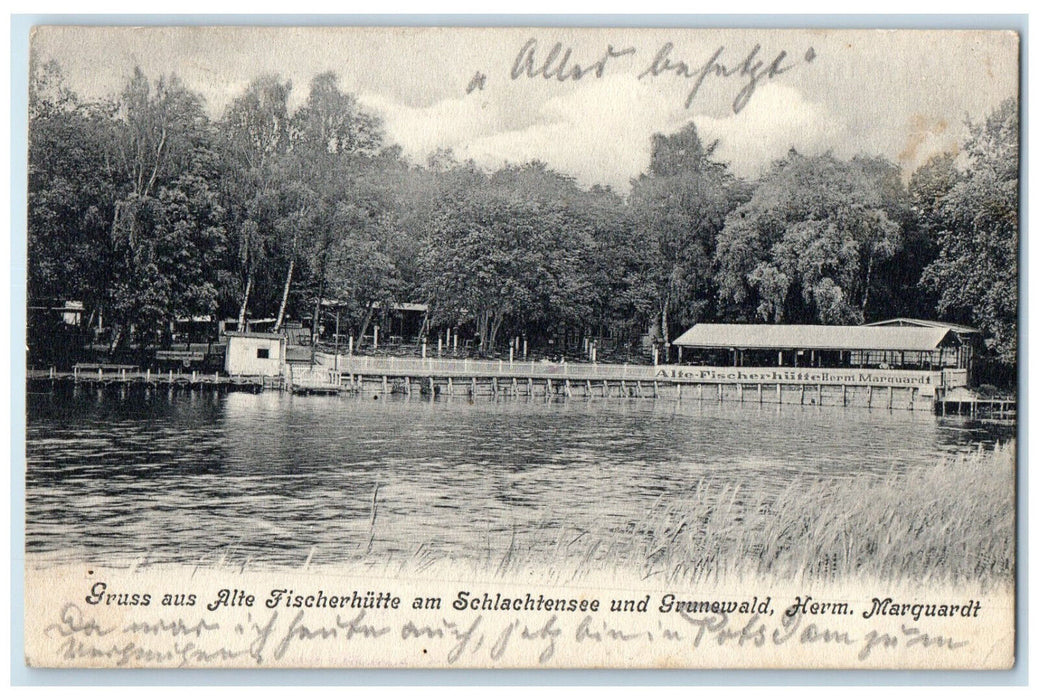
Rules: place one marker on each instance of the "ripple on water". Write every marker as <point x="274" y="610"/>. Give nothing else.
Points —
<point x="269" y="477"/>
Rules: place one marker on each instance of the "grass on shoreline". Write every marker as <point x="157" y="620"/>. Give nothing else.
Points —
<point x="951" y="524"/>
<point x="954" y="523"/>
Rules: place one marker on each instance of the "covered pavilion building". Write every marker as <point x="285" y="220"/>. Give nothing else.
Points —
<point x="901" y="344"/>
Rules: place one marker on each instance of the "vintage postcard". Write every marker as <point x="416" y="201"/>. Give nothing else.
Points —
<point x="521" y="348"/>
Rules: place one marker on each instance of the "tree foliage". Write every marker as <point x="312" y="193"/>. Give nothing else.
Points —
<point x="808" y="244"/>
<point x="681" y="205"/>
<point x="973" y="212"/>
<point x="146" y="211"/>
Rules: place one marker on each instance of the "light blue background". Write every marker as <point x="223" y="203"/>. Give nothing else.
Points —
<point x="20" y="675"/>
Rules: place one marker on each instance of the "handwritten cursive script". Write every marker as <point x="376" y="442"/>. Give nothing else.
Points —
<point x="752" y="69"/>
<point x="559" y="63"/>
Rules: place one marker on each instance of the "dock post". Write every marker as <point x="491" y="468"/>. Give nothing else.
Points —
<point x="802" y="394"/>
<point x="819" y="394"/>
<point x="122" y="374"/>
<point x="566" y="389"/>
<point x="679" y="392"/>
<point x="869" y="397"/>
<point x="192" y="376"/>
<point x="720" y="397"/>
<point x="779" y="393"/>
<point x="494" y="386"/>
<point x="759" y="393"/>
<point x="472" y="390"/>
<point x="624" y="388"/>
<point x="148" y="374"/>
<point x="432" y="388"/>
<point x="588" y="386"/>
<point x="548" y="387"/>
<point x="656" y="389"/>
<point x="740" y="385"/>
<point x="912" y="397"/>
<point x="890" y="397"/>
<point x="385" y="385"/>
<point x="530" y="385"/>
<point x="515" y="387"/>
<point x="450" y="385"/>
<point x="844" y="394"/>
<point x="605" y="389"/>
<point x="99" y="374"/>
<point x="638" y="388"/>
<point x="171" y="377"/>
<point x="699" y="392"/>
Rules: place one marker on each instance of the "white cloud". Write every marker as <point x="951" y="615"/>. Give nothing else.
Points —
<point x="776" y="119"/>
<point x="600" y="131"/>
<point x="597" y="131"/>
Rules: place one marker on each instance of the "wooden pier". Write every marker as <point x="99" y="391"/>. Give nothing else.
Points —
<point x="996" y="408"/>
<point x="429" y="377"/>
<point x="131" y="375"/>
<point x="503" y="378"/>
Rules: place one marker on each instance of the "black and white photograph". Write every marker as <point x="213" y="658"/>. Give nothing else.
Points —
<point x="521" y="347"/>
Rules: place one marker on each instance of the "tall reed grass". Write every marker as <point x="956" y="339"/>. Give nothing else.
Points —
<point x="954" y="523"/>
<point x="948" y="525"/>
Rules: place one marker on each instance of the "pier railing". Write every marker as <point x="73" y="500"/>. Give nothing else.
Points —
<point x="399" y="366"/>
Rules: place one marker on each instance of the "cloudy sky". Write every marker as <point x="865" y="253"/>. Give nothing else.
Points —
<point x="902" y="94"/>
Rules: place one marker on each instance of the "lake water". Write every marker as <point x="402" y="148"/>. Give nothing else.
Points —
<point x="273" y="478"/>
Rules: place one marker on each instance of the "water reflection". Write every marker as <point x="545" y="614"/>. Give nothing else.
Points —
<point x="189" y="476"/>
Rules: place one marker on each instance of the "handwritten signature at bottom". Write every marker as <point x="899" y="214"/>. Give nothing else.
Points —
<point x="202" y="642"/>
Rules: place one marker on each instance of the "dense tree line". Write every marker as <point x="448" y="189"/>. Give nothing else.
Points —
<point x="146" y="210"/>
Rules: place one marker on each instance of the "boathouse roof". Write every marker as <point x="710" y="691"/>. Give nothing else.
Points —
<point x="254" y="334"/>
<point x="807" y="337"/>
<point x="922" y="323"/>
